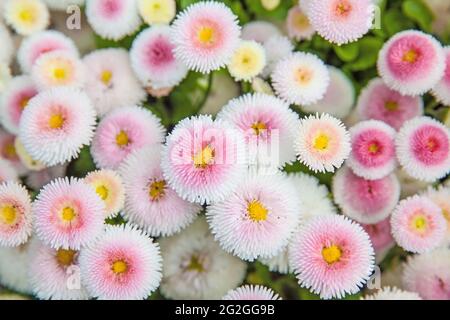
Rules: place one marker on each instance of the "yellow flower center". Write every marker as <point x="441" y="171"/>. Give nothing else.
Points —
<point x="56" y="121"/>
<point x="106" y="77"/>
<point x="301" y="21"/>
<point x="8" y="215"/>
<point x="59" y="73"/>
<point x="26" y="15"/>
<point x="195" y="264"/>
<point x="373" y="148"/>
<point x="258" y="127"/>
<point x="204" y="157"/>
<point x="157" y="190"/>
<point x="119" y="267"/>
<point x="122" y="139"/>
<point x="410" y="56"/>
<point x="343" y="8"/>
<point x="65" y="257"/>
<point x="205" y="35"/>
<point x="419" y="223"/>
<point x="391" y="105"/>
<point x="102" y="192"/>
<point x="23" y="103"/>
<point x="321" y="142"/>
<point x="68" y="214"/>
<point x="303" y="75"/>
<point x="331" y="254"/>
<point x="257" y="211"/>
<point x="9" y="151"/>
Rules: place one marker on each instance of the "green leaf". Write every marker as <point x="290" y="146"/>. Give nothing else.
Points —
<point x="368" y="53"/>
<point x="393" y="21"/>
<point x="347" y="52"/>
<point x="82" y="165"/>
<point x="417" y="11"/>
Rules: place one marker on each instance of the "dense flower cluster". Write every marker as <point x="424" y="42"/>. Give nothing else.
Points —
<point x="175" y="149"/>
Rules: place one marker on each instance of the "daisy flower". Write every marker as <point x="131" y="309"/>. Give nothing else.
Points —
<point x="68" y="214"/>
<point x="381" y="238"/>
<point x="377" y="101"/>
<point x="428" y="274"/>
<point x="157" y="11"/>
<point x="389" y="293"/>
<point x="418" y="224"/>
<point x="373" y="149"/>
<point x="113" y="19"/>
<point x="442" y="90"/>
<point x="27" y="161"/>
<point x="204" y="160"/>
<point x="441" y="198"/>
<point x="332" y="256"/>
<point x="366" y="201"/>
<point x="153" y="60"/>
<point x="322" y="143"/>
<point x="63" y="5"/>
<point x="258" y="218"/>
<point x="269" y="127"/>
<point x="8" y="48"/>
<point x="195" y="267"/>
<point x="339" y="97"/>
<point x="251" y="292"/>
<point x="8" y="151"/>
<point x="340" y="21"/>
<point x="277" y="48"/>
<point x="17" y="94"/>
<point x="26" y="16"/>
<point x="205" y="36"/>
<point x="423" y="149"/>
<point x="109" y="187"/>
<point x="248" y="61"/>
<point x="259" y="31"/>
<point x="150" y="202"/>
<point x="111" y="82"/>
<point x="301" y="79"/>
<point x="124" y="264"/>
<point x="121" y="132"/>
<point x="7" y="171"/>
<point x="56" y="124"/>
<point x="34" y="46"/>
<point x="298" y="25"/>
<point x="58" y="68"/>
<point x="278" y="263"/>
<point x="14" y="263"/>
<point x="54" y="273"/>
<point x="411" y="62"/>
<point x="15" y="214"/>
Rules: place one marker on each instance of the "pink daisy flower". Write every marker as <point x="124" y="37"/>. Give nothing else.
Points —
<point x="153" y="59"/>
<point x="40" y="43"/>
<point x="150" y="202"/>
<point x="366" y="201"/>
<point x="68" y="214"/>
<point x="203" y="160"/>
<point x="381" y="238"/>
<point x="442" y="90"/>
<point x="52" y="273"/>
<point x="109" y="187"/>
<point x="429" y="274"/>
<point x="388" y="293"/>
<point x="15" y="98"/>
<point x="411" y="62"/>
<point x="121" y="132"/>
<point x="269" y="127"/>
<point x="251" y="292"/>
<point x="441" y="198"/>
<point x="423" y="149"/>
<point x="111" y="82"/>
<point x="340" y="21"/>
<point x="373" y="149"/>
<point x="7" y="171"/>
<point x="418" y="224"/>
<point x="56" y="124"/>
<point x="258" y="218"/>
<point x="377" y="101"/>
<point x="298" y="25"/>
<point x="322" y="143"/>
<point x="205" y="36"/>
<point x="113" y="19"/>
<point x="332" y="256"/>
<point x="124" y="264"/>
<point x="15" y="214"/>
